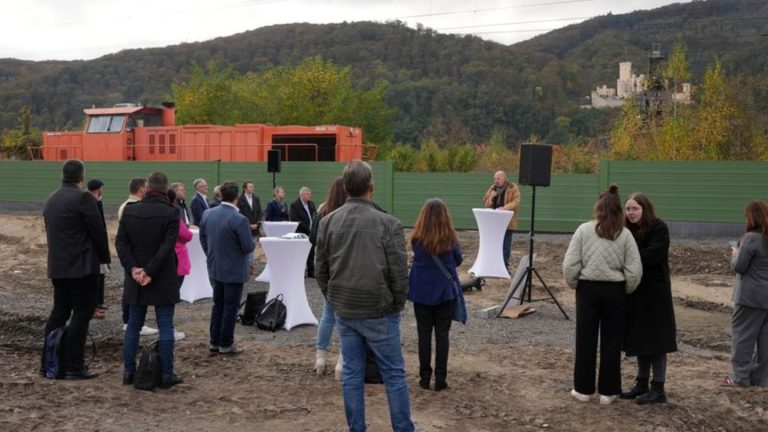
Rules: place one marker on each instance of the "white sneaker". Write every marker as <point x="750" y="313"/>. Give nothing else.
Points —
<point x="607" y="400"/>
<point x="178" y="335"/>
<point x="320" y="360"/>
<point x="148" y="331"/>
<point x="581" y="397"/>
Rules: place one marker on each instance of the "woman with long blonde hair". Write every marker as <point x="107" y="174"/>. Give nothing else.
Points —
<point x="432" y="293"/>
<point x="337" y="196"/>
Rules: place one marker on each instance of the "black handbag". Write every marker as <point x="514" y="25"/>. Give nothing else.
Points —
<point x="272" y="315"/>
<point x="253" y="303"/>
<point x="149" y="372"/>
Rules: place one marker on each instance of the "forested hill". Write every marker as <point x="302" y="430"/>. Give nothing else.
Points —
<point x="735" y="31"/>
<point x="441" y="85"/>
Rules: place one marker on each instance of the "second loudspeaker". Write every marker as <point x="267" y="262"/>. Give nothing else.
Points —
<point x="273" y="161"/>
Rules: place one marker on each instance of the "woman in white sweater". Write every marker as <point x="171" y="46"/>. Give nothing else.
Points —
<point x="603" y="265"/>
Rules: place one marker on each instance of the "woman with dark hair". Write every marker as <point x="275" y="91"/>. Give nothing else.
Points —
<point x="749" y="323"/>
<point x="337" y="196"/>
<point x="649" y="327"/>
<point x="432" y="293"/>
<point x="184" y="264"/>
<point x="603" y="265"/>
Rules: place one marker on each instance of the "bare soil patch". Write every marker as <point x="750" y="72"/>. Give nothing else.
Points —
<point x="503" y="374"/>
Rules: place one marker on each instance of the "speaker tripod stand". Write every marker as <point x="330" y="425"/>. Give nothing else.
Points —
<point x="530" y="271"/>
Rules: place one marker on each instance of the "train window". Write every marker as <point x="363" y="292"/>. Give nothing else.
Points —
<point x="106" y="124"/>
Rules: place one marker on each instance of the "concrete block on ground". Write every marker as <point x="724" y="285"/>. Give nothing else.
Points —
<point x="489" y="312"/>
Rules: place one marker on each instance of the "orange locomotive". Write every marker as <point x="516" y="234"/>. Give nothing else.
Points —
<point x="128" y="132"/>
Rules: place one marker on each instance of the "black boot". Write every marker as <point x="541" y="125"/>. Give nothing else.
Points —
<point x="655" y="394"/>
<point x="640" y="388"/>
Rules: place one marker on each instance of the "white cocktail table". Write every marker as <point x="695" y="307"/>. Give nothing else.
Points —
<point x="492" y="225"/>
<point x="196" y="284"/>
<point x="275" y="229"/>
<point x="288" y="259"/>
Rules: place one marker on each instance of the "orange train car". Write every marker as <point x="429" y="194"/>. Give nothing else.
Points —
<point x="128" y="132"/>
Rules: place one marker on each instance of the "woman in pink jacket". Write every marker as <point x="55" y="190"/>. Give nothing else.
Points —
<point x="184" y="265"/>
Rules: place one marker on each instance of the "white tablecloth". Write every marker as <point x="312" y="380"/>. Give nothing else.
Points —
<point x="196" y="285"/>
<point x="492" y="225"/>
<point x="288" y="259"/>
<point x="275" y="229"/>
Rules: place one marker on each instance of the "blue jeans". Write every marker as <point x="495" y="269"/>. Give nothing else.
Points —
<point x="507" y="247"/>
<point x="383" y="336"/>
<point x="164" y="318"/>
<point x="226" y="303"/>
<point x="325" y="328"/>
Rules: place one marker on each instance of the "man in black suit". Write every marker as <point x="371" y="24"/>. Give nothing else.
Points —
<point x="200" y="201"/>
<point x="95" y="187"/>
<point x="77" y="245"/>
<point x="250" y="207"/>
<point x="302" y="210"/>
<point x="145" y="243"/>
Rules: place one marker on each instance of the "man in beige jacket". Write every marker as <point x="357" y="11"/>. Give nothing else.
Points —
<point x="504" y="195"/>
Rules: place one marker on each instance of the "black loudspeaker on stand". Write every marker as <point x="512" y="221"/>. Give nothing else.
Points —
<point x="273" y="163"/>
<point x="535" y="170"/>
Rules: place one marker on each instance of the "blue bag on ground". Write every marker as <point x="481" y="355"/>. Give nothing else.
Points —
<point x="52" y="362"/>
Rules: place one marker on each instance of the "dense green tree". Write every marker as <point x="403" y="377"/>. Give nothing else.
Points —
<point x="24" y="138"/>
<point x="314" y="92"/>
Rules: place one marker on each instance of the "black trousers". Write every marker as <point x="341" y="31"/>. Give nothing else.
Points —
<point x="599" y="311"/>
<point x="75" y="298"/>
<point x="100" y="280"/>
<point x="311" y="262"/>
<point x="439" y="318"/>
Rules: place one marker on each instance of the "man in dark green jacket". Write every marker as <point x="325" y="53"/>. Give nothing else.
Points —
<point x="362" y="271"/>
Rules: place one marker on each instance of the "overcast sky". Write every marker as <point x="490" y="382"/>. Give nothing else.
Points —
<point x="86" y="29"/>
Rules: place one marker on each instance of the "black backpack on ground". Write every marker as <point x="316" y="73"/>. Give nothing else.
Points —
<point x="149" y="372"/>
<point x="372" y="375"/>
<point x="272" y="315"/>
<point x="52" y="359"/>
<point x="253" y="303"/>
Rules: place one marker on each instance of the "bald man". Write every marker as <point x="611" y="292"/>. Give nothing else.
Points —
<point x="504" y="195"/>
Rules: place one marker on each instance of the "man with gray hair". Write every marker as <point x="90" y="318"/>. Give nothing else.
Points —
<point x="362" y="272"/>
<point x="504" y="195"/>
<point x="200" y="201"/>
<point x="302" y="211"/>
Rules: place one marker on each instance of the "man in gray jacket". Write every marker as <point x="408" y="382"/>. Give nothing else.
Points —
<point x="362" y="271"/>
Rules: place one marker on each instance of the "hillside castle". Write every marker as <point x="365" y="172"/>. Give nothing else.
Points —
<point x="628" y="85"/>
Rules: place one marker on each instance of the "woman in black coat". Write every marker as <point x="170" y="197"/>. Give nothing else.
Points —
<point x="650" y="331"/>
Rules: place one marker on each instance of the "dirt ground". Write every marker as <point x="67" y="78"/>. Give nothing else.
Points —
<point x="503" y="374"/>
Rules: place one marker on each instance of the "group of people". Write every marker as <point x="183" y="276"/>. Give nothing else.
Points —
<point x="155" y="225"/>
<point x="617" y="263"/>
